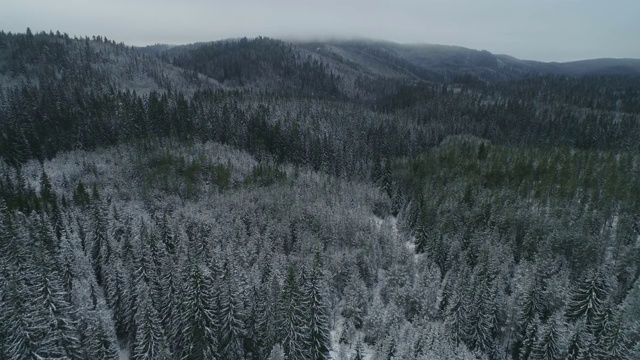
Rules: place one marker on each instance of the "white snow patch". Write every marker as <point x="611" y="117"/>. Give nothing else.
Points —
<point x="350" y="349"/>
<point x="614" y="222"/>
<point x="411" y="245"/>
<point x="377" y="221"/>
<point x="391" y="223"/>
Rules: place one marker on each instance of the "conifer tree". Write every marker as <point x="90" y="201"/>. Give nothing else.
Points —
<point x="481" y="315"/>
<point x="121" y="304"/>
<point x="57" y="219"/>
<point x="46" y="190"/>
<point x="150" y="341"/>
<point x="167" y="237"/>
<point x="231" y="329"/>
<point x="532" y="304"/>
<point x="22" y="329"/>
<point x="170" y="298"/>
<point x="550" y="341"/>
<point x="67" y="260"/>
<point x="634" y="353"/>
<point x="251" y="341"/>
<point x="588" y="299"/>
<point x="457" y="318"/>
<point x="316" y="314"/>
<point x="355" y="293"/>
<point x="530" y="309"/>
<point x="266" y="300"/>
<point x="99" y="343"/>
<point x="359" y="352"/>
<point x="580" y="342"/>
<point x="292" y="325"/>
<point x="613" y="339"/>
<point x="58" y="316"/>
<point x="198" y="316"/>
<point x="528" y="340"/>
<point x="100" y="247"/>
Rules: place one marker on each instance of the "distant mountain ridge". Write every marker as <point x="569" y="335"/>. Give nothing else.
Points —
<point x="447" y="62"/>
<point x="427" y="62"/>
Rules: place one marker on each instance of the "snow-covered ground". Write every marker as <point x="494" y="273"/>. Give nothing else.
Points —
<point x="347" y="351"/>
<point x="391" y="223"/>
<point x="123" y="354"/>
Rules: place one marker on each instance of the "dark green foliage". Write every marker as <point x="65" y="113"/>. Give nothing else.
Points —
<point x="188" y="178"/>
<point x="482" y="317"/>
<point x="246" y="62"/>
<point x="589" y="299"/>
<point x="268" y="317"/>
<point x="292" y="326"/>
<point x="150" y="341"/>
<point x="62" y="337"/>
<point x="405" y="96"/>
<point x="316" y="313"/>
<point x="358" y="355"/>
<point x="21" y="332"/>
<point x="526" y="347"/>
<point x="199" y="326"/>
<point x="264" y="175"/>
<point x="550" y="341"/>
<point x="81" y="196"/>
<point x="221" y="176"/>
<point x="16" y="193"/>
<point x="612" y="338"/>
<point x="99" y="344"/>
<point x="580" y="342"/>
<point x="101" y="250"/>
<point x="39" y="320"/>
<point x="84" y="106"/>
<point x="457" y="320"/>
<point x="231" y="331"/>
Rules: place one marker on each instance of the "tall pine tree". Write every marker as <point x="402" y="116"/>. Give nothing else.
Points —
<point x="316" y="313"/>
<point x="292" y="326"/>
<point x="198" y="316"/>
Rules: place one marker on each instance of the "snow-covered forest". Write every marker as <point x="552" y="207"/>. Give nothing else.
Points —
<point x="255" y="199"/>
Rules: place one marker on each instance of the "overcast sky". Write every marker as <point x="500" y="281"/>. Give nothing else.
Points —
<point x="548" y="30"/>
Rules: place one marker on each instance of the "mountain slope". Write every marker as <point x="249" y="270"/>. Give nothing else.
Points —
<point x="260" y="63"/>
<point x="97" y="63"/>
<point x="445" y="63"/>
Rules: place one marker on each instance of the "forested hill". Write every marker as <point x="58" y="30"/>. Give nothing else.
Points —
<point x="261" y="199"/>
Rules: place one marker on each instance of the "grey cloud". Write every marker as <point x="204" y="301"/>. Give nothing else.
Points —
<point x="530" y="29"/>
